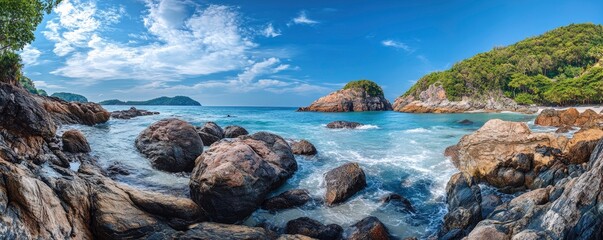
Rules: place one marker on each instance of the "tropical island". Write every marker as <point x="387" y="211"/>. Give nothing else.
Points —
<point x="558" y="68"/>
<point x="70" y="97"/>
<point x="355" y="96"/>
<point x="171" y="101"/>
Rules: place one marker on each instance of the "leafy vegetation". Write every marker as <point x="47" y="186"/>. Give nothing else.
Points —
<point x="369" y="86"/>
<point x="560" y="67"/>
<point x="175" y="101"/>
<point x="70" y="97"/>
<point x="19" y="19"/>
<point x="29" y="86"/>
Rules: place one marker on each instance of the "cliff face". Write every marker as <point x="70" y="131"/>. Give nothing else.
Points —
<point x="348" y="100"/>
<point x="434" y="100"/>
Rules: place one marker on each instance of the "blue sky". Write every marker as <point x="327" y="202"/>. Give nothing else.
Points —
<point x="272" y="53"/>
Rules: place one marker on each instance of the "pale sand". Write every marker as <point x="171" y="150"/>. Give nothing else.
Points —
<point x="596" y="108"/>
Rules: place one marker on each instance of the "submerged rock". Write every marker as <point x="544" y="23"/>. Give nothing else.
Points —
<point x="75" y="142"/>
<point x="354" y="99"/>
<point x="398" y="200"/>
<point x="303" y="147"/>
<point x="369" y="228"/>
<point x="232" y="178"/>
<point x="131" y="113"/>
<point x="343" y="182"/>
<point x="312" y="228"/>
<point x="234" y="131"/>
<point x="171" y="145"/>
<point x="465" y="122"/>
<point x="289" y="199"/>
<point x="344" y="124"/>
<point x="210" y="133"/>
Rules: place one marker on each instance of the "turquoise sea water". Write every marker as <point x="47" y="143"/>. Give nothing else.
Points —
<point x="399" y="152"/>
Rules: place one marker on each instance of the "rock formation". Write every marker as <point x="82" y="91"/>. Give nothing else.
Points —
<point x="256" y="164"/>
<point x="234" y="131"/>
<point x="210" y="133"/>
<point x="289" y="199"/>
<point x="312" y="228"/>
<point x="343" y="182"/>
<point x="569" y="117"/>
<point x="434" y="100"/>
<point x="355" y="99"/>
<point x="369" y="228"/>
<point x="131" y="113"/>
<point x="171" y="145"/>
<point x="75" y="142"/>
<point x="303" y="147"/>
<point x="343" y="124"/>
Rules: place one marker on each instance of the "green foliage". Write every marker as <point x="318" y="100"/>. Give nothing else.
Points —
<point x="175" y="101"/>
<point x="10" y="67"/>
<point x="558" y="67"/>
<point x="30" y="87"/>
<point x="369" y="86"/>
<point x="19" y="19"/>
<point x="70" y="97"/>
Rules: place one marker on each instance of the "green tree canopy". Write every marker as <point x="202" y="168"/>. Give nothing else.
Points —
<point x="19" y="19"/>
<point x="369" y="86"/>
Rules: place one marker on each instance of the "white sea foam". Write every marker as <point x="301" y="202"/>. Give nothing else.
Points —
<point x="368" y="126"/>
<point x="417" y="130"/>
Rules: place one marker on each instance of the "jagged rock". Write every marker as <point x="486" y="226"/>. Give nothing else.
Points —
<point x="369" y="228"/>
<point x="398" y="200"/>
<point x="344" y="124"/>
<point x="312" y="228"/>
<point x="208" y="230"/>
<point x="489" y="203"/>
<point x="303" y="147"/>
<point x="434" y="100"/>
<point x="582" y="144"/>
<point x="171" y="145"/>
<point x="22" y="114"/>
<point x="568" y="117"/>
<point x="234" y="131"/>
<point x="210" y="133"/>
<point x="348" y="100"/>
<point x="289" y="199"/>
<point x="343" y="182"/>
<point x="232" y="178"/>
<point x="564" y="129"/>
<point x="464" y="206"/>
<point x="63" y="112"/>
<point x="131" y="113"/>
<point x="75" y="142"/>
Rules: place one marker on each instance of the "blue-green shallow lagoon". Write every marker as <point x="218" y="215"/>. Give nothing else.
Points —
<point x="399" y="152"/>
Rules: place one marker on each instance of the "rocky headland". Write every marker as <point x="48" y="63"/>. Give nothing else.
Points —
<point x="356" y="96"/>
<point x="131" y="113"/>
<point x="434" y="100"/>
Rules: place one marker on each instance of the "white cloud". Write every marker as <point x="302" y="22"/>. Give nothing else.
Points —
<point x="395" y="44"/>
<point x="302" y="18"/>
<point x="45" y="85"/>
<point x="30" y="55"/>
<point x="270" y="31"/>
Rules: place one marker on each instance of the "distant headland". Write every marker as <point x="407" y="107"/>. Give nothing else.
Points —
<point x="172" y="101"/>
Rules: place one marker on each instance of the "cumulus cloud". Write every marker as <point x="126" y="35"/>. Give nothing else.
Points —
<point x="302" y="18"/>
<point x="30" y="55"/>
<point x="396" y="44"/>
<point x="45" y="85"/>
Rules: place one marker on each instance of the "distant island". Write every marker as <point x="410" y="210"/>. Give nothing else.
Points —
<point x="355" y="96"/>
<point x="558" y="68"/>
<point x="172" y="101"/>
<point x="70" y="97"/>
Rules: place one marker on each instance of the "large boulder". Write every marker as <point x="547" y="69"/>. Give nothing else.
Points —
<point x="234" y="131"/>
<point x="343" y="182"/>
<point x="232" y="178"/>
<point x="303" y="147"/>
<point x="369" y="228"/>
<point x="343" y="124"/>
<point x="350" y="100"/>
<point x="63" y="112"/>
<point x="580" y="147"/>
<point x="567" y="117"/>
<point x="464" y="207"/>
<point x="171" y="145"/>
<point x="210" y="133"/>
<point x="312" y="228"/>
<point x="289" y="199"/>
<point x="75" y="142"/>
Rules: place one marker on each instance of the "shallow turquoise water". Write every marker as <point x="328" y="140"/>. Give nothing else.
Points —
<point x="399" y="152"/>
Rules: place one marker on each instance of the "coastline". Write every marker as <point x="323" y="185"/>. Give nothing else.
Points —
<point x="581" y="108"/>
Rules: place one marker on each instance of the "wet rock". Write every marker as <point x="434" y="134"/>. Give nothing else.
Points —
<point x="232" y="178"/>
<point x="564" y="129"/>
<point x="209" y="230"/>
<point x="131" y="113"/>
<point x="398" y="200"/>
<point x="464" y="205"/>
<point x="303" y="147"/>
<point x="75" y="142"/>
<point x="294" y="237"/>
<point x="465" y="122"/>
<point x="289" y="199"/>
<point x="343" y="182"/>
<point x="349" y="100"/>
<point x="210" y="133"/>
<point x="312" y="228"/>
<point x="344" y="124"/>
<point x="234" y="131"/>
<point x="489" y="203"/>
<point x="369" y="228"/>
<point x="171" y="145"/>
<point x="116" y="168"/>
